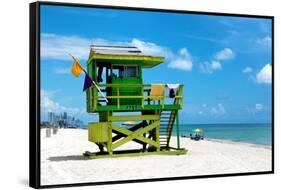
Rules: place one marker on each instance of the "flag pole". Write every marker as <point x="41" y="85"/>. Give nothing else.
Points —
<point x="93" y="82"/>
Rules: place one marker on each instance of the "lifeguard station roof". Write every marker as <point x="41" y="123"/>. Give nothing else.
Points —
<point x="122" y="55"/>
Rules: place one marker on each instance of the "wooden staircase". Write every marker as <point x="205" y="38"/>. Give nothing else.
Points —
<point x="167" y="120"/>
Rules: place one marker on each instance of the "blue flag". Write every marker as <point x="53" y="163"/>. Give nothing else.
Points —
<point x="87" y="82"/>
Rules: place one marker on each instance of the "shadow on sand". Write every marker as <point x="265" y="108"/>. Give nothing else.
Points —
<point x="67" y="158"/>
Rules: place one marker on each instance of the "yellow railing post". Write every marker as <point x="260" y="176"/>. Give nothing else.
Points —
<point x="142" y="100"/>
<point x="95" y="98"/>
<point x="118" y="99"/>
<point x="163" y="101"/>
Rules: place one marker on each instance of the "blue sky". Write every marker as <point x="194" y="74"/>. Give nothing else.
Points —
<point x="224" y="62"/>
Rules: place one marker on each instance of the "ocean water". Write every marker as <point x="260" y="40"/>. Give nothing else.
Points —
<point x="250" y="133"/>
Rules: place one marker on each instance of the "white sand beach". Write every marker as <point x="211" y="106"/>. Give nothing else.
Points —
<point x="62" y="161"/>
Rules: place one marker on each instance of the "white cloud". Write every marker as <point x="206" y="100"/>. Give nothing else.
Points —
<point x="215" y="65"/>
<point x="62" y="70"/>
<point x="182" y="62"/>
<point x="255" y="109"/>
<point x="59" y="47"/>
<point x="204" y="105"/>
<point x="218" y="110"/>
<point x="259" y="107"/>
<point x="265" y="41"/>
<point x="224" y="54"/>
<point x="264" y="75"/>
<point x="200" y="113"/>
<point x="209" y="68"/>
<point x="49" y="105"/>
<point x="150" y="48"/>
<point x="247" y="70"/>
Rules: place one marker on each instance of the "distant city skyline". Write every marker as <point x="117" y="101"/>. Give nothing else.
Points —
<point x="63" y="120"/>
<point x="224" y="62"/>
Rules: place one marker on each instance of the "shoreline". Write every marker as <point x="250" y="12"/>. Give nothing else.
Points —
<point x="233" y="142"/>
<point x="212" y="139"/>
<point x="241" y="142"/>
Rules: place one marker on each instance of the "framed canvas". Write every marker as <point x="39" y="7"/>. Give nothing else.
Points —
<point x="122" y="94"/>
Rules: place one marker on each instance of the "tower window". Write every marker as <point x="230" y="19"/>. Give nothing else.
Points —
<point x="132" y="71"/>
<point x="121" y="71"/>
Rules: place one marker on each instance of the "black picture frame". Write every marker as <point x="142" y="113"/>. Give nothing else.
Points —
<point x="34" y="93"/>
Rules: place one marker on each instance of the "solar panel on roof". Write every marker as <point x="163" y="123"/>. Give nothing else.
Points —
<point x="116" y="50"/>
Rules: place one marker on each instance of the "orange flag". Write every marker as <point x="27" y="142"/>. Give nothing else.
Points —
<point x="76" y="68"/>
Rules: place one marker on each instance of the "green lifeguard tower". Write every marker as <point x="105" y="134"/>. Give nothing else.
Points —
<point x="124" y="99"/>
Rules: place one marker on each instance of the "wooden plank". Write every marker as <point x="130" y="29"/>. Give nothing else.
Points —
<point x="95" y="98"/>
<point x="109" y="144"/>
<point x="157" y="137"/>
<point x="170" y="151"/>
<point x="140" y="138"/>
<point x="118" y="100"/>
<point x="133" y="117"/>
<point x="138" y="134"/>
<point x="134" y="128"/>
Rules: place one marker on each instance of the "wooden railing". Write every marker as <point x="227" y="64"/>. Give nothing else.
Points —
<point x="146" y="98"/>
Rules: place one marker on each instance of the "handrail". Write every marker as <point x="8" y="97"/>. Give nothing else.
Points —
<point x="130" y="85"/>
<point x="144" y="96"/>
<point x="112" y="97"/>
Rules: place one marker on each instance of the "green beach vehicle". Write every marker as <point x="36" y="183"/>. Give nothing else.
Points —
<point x="120" y="96"/>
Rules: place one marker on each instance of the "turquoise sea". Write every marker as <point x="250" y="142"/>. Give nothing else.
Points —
<point x="247" y="132"/>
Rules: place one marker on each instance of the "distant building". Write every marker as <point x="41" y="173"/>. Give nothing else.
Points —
<point x="51" y="118"/>
<point x="63" y="120"/>
<point x="64" y="116"/>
